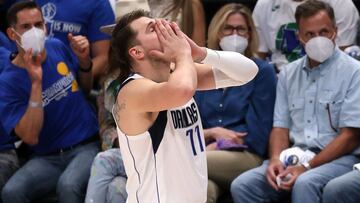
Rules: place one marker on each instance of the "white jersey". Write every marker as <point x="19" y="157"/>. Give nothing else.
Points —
<point x="167" y="163"/>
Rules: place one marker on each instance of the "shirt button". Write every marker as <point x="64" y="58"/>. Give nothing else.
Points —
<point x="313" y="81"/>
<point x="308" y="136"/>
<point x="220" y="121"/>
<point x="310" y="101"/>
<point x="309" y="121"/>
<point x="220" y="105"/>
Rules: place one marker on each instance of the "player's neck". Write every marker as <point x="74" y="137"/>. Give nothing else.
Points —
<point x="154" y="70"/>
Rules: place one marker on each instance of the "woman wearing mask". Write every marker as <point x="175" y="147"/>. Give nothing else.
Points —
<point x="237" y="120"/>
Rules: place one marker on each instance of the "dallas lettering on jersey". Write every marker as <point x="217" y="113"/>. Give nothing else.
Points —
<point x="61" y="26"/>
<point x="185" y="117"/>
<point x="58" y="90"/>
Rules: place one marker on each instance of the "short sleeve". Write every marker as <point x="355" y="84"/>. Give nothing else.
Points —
<point x="347" y="17"/>
<point x="350" y="109"/>
<point x="102" y="15"/>
<point x="281" y="111"/>
<point x="13" y="105"/>
<point x="260" y="23"/>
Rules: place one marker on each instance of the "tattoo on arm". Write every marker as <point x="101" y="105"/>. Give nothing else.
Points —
<point x="117" y="109"/>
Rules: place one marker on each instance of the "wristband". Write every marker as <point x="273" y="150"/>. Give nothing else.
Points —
<point x="33" y="104"/>
<point x="87" y="69"/>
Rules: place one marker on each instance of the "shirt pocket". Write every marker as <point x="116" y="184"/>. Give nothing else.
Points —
<point x="296" y="108"/>
<point x="329" y="115"/>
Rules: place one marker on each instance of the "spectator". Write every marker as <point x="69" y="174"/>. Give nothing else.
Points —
<point x="344" y="189"/>
<point x="81" y="18"/>
<point x="108" y="179"/>
<point x="316" y="109"/>
<point x="236" y="117"/>
<point x="275" y="23"/>
<point x="43" y="104"/>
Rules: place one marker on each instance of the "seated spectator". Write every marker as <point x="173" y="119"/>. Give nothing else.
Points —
<point x="275" y="23"/>
<point x="81" y="18"/>
<point x="237" y="120"/>
<point x="344" y="189"/>
<point x="316" y="109"/>
<point x="9" y="162"/>
<point x="42" y="102"/>
<point x="108" y="179"/>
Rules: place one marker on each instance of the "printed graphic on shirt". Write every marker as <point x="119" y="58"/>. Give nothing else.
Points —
<point x="286" y="41"/>
<point x="60" y="88"/>
<point x="49" y="12"/>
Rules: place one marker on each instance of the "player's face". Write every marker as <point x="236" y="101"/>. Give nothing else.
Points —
<point x="146" y="35"/>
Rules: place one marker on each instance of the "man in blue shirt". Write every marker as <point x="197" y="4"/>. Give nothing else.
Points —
<point x="42" y="102"/>
<point x="81" y="18"/>
<point x="317" y="109"/>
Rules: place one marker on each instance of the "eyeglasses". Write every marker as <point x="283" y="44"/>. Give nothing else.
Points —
<point x="229" y="29"/>
<point x="329" y="114"/>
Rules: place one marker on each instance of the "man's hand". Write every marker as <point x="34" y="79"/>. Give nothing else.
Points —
<point x="295" y="171"/>
<point x="33" y="66"/>
<point x="81" y="47"/>
<point x="173" y="42"/>
<point x="274" y="168"/>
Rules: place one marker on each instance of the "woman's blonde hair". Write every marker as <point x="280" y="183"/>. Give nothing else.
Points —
<point x="218" y="22"/>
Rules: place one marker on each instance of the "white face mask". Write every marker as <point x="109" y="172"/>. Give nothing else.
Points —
<point x="234" y="43"/>
<point x="319" y="48"/>
<point x="34" y="39"/>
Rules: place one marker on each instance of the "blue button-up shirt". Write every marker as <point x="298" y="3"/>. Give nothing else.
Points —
<point x="315" y="103"/>
<point x="248" y="108"/>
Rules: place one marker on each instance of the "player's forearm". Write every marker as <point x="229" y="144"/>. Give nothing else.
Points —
<point x="30" y="125"/>
<point x="230" y="65"/>
<point x="184" y="77"/>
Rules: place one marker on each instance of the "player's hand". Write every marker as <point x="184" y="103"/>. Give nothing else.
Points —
<point x="274" y="168"/>
<point x="33" y="66"/>
<point x="81" y="47"/>
<point x="198" y="53"/>
<point x="174" y="44"/>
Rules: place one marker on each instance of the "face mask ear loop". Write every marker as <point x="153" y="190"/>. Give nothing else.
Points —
<point x="17" y="42"/>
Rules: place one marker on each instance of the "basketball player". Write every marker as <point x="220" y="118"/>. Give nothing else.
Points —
<point x="158" y="122"/>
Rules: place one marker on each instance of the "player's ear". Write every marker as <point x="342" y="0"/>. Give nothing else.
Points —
<point x="136" y="52"/>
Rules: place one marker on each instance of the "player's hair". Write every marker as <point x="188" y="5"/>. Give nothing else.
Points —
<point x="123" y="38"/>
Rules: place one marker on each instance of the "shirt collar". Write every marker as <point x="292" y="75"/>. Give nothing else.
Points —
<point x="325" y="66"/>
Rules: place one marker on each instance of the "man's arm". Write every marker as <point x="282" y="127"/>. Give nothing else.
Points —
<point x="99" y="53"/>
<point x="30" y="125"/>
<point x="80" y="46"/>
<point x="344" y="143"/>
